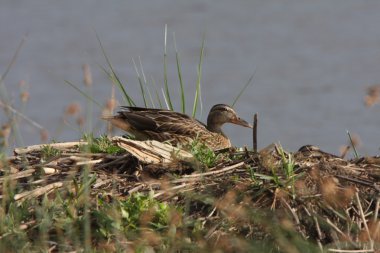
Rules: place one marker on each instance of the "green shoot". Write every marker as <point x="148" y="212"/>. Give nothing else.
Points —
<point x="198" y="87"/>
<point x="352" y="144"/>
<point x="146" y="83"/>
<point x="203" y="154"/>
<point x="113" y="76"/>
<point x="101" y="145"/>
<point x="288" y="164"/>
<point x="243" y="89"/>
<point x="13" y="60"/>
<point x="4" y="97"/>
<point x="83" y="93"/>
<point x="167" y="97"/>
<point x="140" y="82"/>
<point x="156" y="92"/>
<point x="48" y="152"/>
<point x="183" y="102"/>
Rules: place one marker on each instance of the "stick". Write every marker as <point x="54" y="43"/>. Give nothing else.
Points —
<point x="21" y="174"/>
<point x="364" y="220"/>
<point x="170" y="190"/>
<point x="215" y="171"/>
<point x="62" y="145"/>
<point x="39" y="191"/>
<point x="255" y="133"/>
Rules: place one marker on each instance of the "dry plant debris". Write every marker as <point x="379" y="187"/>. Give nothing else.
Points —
<point x="308" y="194"/>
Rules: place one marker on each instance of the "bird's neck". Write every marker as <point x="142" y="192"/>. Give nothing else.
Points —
<point x="215" y="128"/>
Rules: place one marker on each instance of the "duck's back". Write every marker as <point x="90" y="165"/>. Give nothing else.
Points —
<point x="158" y="124"/>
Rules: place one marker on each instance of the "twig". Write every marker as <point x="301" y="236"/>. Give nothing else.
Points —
<point x="295" y="216"/>
<point x="335" y="227"/>
<point x="63" y="145"/>
<point x="170" y="190"/>
<point x="208" y="216"/>
<point x="118" y="160"/>
<point x="135" y="189"/>
<point x="214" y="172"/>
<point x="89" y="162"/>
<point x="363" y="219"/>
<point x="351" y="250"/>
<point x="39" y="191"/>
<point x="318" y="232"/>
<point x="255" y="133"/>
<point x="376" y="212"/>
<point x="21" y="174"/>
<point x="359" y="181"/>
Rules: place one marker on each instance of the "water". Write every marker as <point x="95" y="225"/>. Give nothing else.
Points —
<point x="313" y="61"/>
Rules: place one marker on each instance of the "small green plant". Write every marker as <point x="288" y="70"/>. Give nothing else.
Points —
<point x="203" y="154"/>
<point x="288" y="165"/>
<point x="48" y="152"/>
<point x="130" y="216"/>
<point x="137" y="204"/>
<point x="102" y="144"/>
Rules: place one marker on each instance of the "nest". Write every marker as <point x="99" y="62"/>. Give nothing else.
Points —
<point x="325" y="199"/>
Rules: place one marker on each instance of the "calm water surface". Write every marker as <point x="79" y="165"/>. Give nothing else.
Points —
<point x="313" y="61"/>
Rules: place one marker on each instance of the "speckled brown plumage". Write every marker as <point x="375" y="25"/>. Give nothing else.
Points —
<point x="177" y="128"/>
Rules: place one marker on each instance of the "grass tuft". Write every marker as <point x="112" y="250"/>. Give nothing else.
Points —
<point x="101" y="144"/>
<point x="204" y="154"/>
<point x="49" y="152"/>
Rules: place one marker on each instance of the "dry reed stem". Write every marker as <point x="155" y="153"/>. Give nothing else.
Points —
<point x="362" y="216"/>
<point x="39" y="191"/>
<point x="215" y="172"/>
<point x="36" y="148"/>
<point x="18" y="175"/>
<point x="351" y="250"/>
<point x="117" y="168"/>
<point x="153" y="152"/>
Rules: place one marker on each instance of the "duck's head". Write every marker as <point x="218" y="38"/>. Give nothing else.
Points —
<point x="220" y="114"/>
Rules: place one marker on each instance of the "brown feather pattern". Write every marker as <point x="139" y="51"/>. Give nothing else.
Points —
<point x="165" y="125"/>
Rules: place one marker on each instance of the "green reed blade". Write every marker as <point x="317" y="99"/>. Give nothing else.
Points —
<point x="183" y="101"/>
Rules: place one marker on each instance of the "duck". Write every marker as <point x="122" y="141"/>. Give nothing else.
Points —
<point x="177" y="128"/>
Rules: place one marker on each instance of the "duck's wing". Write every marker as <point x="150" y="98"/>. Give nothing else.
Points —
<point x="161" y="121"/>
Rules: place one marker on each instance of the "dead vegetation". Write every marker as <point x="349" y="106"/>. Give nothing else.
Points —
<point x="290" y="200"/>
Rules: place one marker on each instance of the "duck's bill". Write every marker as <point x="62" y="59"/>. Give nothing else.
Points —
<point x="241" y="122"/>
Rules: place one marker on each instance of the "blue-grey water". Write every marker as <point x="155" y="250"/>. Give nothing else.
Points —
<point x="313" y="61"/>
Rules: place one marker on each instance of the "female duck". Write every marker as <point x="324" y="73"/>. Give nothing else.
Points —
<point x="177" y="128"/>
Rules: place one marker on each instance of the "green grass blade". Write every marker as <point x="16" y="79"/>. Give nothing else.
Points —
<point x="146" y="83"/>
<point x="150" y="97"/>
<point x="197" y="97"/>
<point x="165" y="99"/>
<point x="182" y="90"/>
<point x="243" y="89"/>
<point x="21" y="115"/>
<point x="3" y="91"/>
<point x="83" y="93"/>
<point x="13" y="60"/>
<point x="157" y="93"/>
<point x="4" y="97"/>
<point x="115" y="79"/>
<point x="168" y="100"/>
<point x="140" y="82"/>
<point x="352" y="144"/>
